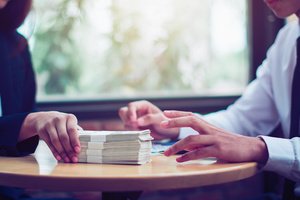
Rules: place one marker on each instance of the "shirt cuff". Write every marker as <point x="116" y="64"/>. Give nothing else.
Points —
<point x="28" y="146"/>
<point x="281" y="155"/>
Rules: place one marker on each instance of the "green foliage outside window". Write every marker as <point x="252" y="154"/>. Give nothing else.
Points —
<point x="118" y="48"/>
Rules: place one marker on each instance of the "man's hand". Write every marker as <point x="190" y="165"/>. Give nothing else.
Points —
<point x="58" y="130"/>
<point x="212" y="141"/>
<point x="144" y="115"/>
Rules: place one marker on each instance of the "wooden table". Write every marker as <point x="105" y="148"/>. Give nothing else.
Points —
<point x="41" y="171"/>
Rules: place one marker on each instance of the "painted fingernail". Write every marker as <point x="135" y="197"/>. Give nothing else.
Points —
<point x="77" y="149"/>
<point x="67" y="160"/>
<point x="74" y="159"/>
<point x="167" y="152"/>
<point x="58" y="157"/>
<point x="180" y="159"/>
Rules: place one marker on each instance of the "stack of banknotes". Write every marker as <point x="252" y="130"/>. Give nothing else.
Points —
<point x="115" y="147"/>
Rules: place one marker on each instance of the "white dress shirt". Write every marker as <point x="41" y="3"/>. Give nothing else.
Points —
<point x="265" y="103"/>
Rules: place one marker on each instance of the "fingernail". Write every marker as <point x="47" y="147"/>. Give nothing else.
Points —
<point x="167" y="152"/>
<point x="74" y="159"/>
<point x="180" y="159"/>
<point x="58" y="158"/>
<point x="67" y="160"/>
<point x="77" y="149"/>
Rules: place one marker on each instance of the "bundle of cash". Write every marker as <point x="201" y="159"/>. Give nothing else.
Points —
<point x="115" y="147"/>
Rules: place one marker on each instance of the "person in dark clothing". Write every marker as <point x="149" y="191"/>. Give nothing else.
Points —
<point x="21" y="127"/>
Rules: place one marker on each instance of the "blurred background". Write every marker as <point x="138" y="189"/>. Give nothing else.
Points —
<point x="104" y="49"/>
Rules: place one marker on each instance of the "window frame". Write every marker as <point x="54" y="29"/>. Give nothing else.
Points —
<point x="263" y="28"/>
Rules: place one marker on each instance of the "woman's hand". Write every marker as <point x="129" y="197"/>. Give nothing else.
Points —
<point x="58" y="130"/>
<point x="144" y="115"/>
<point x="213" y="141"/>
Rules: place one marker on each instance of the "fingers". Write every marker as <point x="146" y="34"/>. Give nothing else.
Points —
<point x="197" y="154"/>
<point x="129" y="113"/>
<point x="199" y="146"/>
<point x="60" y="132"/>
<point x="178" y="119"/>
<point x="123" y="113"/>
<point x="55" y="141"/>
<point x="138" y="108"/>
<point x="72" y="129"/>
<point x="66" y="126"/>
<point x="189" y="143"/>
<point x="132" y="111"/>
<point x="133" y="114"/>
<point x="64" y="138"/>
<point x="51" y="147"/>
<point x="175" y="113"/>
<point x="129" y="124"/>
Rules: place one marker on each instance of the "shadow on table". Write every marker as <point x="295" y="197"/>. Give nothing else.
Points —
<point x="250" y="188"/>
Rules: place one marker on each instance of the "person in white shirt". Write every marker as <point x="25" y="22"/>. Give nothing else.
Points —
<point x="239" y="133"/>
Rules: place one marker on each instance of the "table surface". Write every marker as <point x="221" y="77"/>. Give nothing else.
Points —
<point x="41" y="171"/>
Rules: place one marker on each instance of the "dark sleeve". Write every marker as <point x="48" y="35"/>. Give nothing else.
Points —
<point x="29" y="103"/>
<point x="10" y="127"/>
<point x="10" y="124"/>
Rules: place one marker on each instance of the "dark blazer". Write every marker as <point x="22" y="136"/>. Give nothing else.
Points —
<point x="17" y="91"/>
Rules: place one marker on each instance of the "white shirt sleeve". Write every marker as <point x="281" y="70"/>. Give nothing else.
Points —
<point x="258" y="112"/>
<point x="252" y="114"/>
<point x="284" y="155"/>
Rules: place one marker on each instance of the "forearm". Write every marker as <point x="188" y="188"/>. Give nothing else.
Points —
<point x="27" y="130"/>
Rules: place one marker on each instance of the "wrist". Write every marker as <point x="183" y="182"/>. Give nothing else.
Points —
<point x="27" y="130"/>
<point x="261" y="151"/>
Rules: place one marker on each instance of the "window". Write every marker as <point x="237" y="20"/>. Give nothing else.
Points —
<point x="139" y="48"/>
